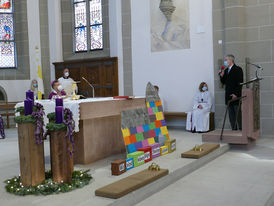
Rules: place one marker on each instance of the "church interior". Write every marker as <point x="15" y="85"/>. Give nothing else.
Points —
<point x="137" y="102"/>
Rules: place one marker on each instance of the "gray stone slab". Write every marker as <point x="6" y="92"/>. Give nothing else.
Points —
<point x="151" y="93"/>
<point x="134" y="118"/>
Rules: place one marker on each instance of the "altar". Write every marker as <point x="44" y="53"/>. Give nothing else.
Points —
<point x="100" y="133"/>
<point x="97" y="125"/>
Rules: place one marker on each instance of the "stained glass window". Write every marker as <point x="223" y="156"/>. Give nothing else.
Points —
<point x="7" y="41"/>
<point x="81" y="39"/>
<point x="80" y="17"/>
<point x="96" y="37"/>
<point x="88" y="37"/>
<point x="95" y="12"/>
<point x="96" y="27"/>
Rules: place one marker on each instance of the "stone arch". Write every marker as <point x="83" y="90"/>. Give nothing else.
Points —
<point x="3" y="95"/>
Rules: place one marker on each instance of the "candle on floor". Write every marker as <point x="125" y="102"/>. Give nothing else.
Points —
<point x="30" y="95"/>
<point x="59" y="102"/>
<point x="59" y="114"/>
<point x="28" y="106"/>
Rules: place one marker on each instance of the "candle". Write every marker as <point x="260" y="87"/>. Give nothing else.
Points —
<point x="28" y="106"/>
<point x="59" y="115"/>
<point x="30" y="95"/>
<point x="59" y="102"/>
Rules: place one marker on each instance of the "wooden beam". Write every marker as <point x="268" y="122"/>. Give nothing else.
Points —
<point x="175" y="115"/>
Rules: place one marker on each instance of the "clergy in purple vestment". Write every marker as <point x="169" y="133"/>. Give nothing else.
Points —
<point x="57" y="90"/>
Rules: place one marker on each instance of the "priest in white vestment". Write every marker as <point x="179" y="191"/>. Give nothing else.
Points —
<point x="198" y="119"/>
<point x="67" y="82"/>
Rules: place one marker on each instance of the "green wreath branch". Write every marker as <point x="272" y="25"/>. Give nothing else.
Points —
<point x="25" y="119"/>
<point x="79" y="180"/>
<point x="52" y="126"/>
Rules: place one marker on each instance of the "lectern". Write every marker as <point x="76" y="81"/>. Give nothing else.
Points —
<point x="250" y="105"/>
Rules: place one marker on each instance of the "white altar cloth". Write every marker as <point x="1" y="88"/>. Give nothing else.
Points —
<point x="73" y="105"/>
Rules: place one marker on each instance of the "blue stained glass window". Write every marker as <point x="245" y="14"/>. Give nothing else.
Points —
<point x="81" y="39"/>
<point x="95" y="12"/>
<point x="7" y="40"/>
<point x="80" y="18"/>
<point x="6" y="27"/>
<point x="88" y="37"/>
<point x="96" y="37"/>
<point x="80" y="14"/>
<point x="96" y="27"/>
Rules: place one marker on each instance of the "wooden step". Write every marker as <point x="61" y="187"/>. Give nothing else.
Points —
<point x="229" y="136"/>
<point x="205" y="149"/>
<point x="131" y="183"/>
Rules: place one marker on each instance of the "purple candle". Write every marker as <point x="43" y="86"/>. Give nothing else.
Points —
<point x="28" y="105"/>
<point x="59" y="102"/>
<point x="30" y="95"/>
<point x="59" y="115"/>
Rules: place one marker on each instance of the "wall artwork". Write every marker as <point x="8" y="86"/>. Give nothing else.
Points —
<point x="169" y="25"/>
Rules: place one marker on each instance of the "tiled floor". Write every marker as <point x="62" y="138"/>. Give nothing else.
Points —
<point x="238" y="178"/>
<point x="101" y="172"/>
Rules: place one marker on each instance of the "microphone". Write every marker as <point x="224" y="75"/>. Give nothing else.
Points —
<point x="222" y="69"/>
<point x="93" y="89"/>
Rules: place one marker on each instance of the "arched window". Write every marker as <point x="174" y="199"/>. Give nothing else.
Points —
<point x="7" y="38"/>
<point x="88" y="25"/>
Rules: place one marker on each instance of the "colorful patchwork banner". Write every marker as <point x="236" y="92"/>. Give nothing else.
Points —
<point x="143" y="127"/>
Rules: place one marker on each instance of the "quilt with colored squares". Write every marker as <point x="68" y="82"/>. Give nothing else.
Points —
<point x="142" y="127"/>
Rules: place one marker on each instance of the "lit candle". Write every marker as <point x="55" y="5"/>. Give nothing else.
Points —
<point x="30" y="95"/>
<point x="59" y="115"/>
<point x="28" y="107"/>
<point x="59" y="102"/>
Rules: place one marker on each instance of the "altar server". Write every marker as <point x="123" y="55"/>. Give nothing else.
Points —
<point x="34" y="88"/>
<point x="57" y="90"/>
<point x="67" y="82"/>
<point x="198" y="119"/>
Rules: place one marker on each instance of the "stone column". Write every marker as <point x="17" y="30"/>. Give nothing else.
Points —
<point x="55" y="34"/>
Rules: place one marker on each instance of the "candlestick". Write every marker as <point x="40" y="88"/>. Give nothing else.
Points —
<point x="59" y="115"/>
<point x="30" y="95"/>
<point x="59" y="102"/>
<point x="28" y="107"/>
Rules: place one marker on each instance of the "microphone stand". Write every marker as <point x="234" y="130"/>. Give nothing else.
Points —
<point x="257" y="72"/>
<point x="93" y="89"/>
<point x="255" y="65"/>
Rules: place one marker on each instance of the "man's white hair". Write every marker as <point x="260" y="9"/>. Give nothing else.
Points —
<point x="231" y="57"/>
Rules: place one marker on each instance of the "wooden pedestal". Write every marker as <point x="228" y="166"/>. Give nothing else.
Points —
<point x="32" y="162"/>
<point x="61" y="161"/>
<point x="250" y="132"/>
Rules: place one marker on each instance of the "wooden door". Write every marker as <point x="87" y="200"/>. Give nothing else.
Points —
<point x="101" y="73"/>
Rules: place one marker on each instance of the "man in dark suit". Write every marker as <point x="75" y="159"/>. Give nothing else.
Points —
<point x="232" y="77"/>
